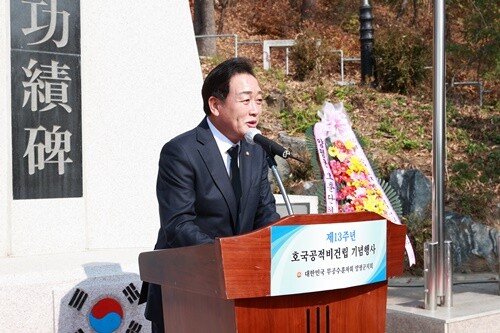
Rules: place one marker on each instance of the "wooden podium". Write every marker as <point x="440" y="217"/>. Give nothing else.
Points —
<point x="225" y="286"/>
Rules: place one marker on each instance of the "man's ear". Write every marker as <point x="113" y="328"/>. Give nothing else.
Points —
<point x="214" y="104"/>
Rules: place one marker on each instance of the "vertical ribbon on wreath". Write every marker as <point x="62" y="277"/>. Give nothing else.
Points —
<point x="330" y="186"/>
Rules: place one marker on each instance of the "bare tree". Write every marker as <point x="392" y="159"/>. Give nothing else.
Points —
<point x="204" y="24"/>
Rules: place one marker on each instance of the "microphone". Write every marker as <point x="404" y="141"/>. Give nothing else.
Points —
<point x="272" y="148"/>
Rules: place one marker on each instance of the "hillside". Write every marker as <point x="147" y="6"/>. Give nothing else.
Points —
<point x="397" y="128"/>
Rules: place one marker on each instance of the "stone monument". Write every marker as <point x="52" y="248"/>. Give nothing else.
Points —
<point x="89" y="92"/>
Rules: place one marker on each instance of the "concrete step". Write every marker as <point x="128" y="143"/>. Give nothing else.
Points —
<point x="475" y="306"/>
<point x="59" y="293"/>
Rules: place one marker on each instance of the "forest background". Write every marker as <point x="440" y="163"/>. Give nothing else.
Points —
<point x="392" y="111"/>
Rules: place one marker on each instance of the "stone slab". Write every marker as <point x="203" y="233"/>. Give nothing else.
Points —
<point x="301" y="204"/>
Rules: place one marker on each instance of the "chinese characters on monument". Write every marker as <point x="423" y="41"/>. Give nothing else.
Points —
<point x="46" y="102"/>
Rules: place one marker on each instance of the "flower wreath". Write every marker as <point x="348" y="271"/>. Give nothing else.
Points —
<point x="350" y="184"/>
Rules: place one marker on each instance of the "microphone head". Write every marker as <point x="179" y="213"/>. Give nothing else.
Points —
<point x="250" y="134"/>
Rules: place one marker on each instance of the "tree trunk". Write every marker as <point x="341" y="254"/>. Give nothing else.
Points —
<point x="223" y="5"/>
<point x="307" y="9"/>
<point x="402" y="10"/>
<point x="415" y="13"/>
<point x="204" y="24"/>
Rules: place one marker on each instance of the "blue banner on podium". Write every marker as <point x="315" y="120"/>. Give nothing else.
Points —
<point x="317" y="257"/>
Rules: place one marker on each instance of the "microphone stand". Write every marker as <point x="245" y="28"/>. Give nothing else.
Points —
<point x="272" y="164"/>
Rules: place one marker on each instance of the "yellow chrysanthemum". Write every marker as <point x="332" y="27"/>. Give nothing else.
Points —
<point x="333" y="151"/>
<point x="349" y="144"/>
<point x="356" y="164"/>
<point x="373" y="203"/>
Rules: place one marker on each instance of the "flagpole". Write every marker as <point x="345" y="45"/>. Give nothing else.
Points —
<point x="439" y="146"/>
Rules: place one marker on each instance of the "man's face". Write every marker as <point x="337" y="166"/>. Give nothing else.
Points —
<point x="241" y="109"/>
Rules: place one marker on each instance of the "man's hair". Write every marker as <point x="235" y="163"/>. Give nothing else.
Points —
<point x="217" y="81"/>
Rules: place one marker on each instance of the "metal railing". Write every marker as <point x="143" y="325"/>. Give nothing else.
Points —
<point x="475" y="83"/>
<point x="342" y="61"/>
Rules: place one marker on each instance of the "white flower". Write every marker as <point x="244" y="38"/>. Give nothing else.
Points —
<point x="334" y="120"/>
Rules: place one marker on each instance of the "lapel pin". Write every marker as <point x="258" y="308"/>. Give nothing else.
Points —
<point x="247" y="153"/>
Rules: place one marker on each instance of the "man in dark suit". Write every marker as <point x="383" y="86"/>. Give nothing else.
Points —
<point x="197" y="200"/>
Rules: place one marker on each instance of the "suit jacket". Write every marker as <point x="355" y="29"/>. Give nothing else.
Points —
<point x="196" y="199"/>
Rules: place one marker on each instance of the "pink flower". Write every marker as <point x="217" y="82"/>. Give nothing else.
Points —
<point x="355" y="189"/>
<point x="340" y="145"/>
